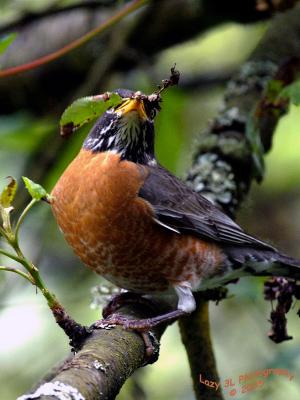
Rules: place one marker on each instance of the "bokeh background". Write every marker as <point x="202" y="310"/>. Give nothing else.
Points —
<point x="31" y="105"/>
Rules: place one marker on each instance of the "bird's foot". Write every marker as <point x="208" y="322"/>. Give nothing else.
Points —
<point x="142" y="326"/>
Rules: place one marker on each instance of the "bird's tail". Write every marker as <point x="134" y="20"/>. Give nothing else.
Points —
<point x="263" y="262"/>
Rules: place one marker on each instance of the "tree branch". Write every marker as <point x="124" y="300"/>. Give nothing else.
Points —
<point x="109" y="356"/>
<point x="195" y="334"/>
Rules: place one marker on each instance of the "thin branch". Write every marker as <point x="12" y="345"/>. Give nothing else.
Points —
<point x="12" y="256"/>
<point x="2" y="232"/>
<point x="70" y="327"/>
<point x="22" y="216"/>
<point x="33" y="273"/>
<point x="195" y="334"/>
<point x="127" y="9"/>
<point x="17" y="271"/>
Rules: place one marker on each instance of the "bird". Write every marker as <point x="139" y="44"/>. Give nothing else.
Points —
<point x="134" y="223"/>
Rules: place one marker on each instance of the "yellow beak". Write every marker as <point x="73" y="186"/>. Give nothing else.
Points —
<point x="133" y="105"/>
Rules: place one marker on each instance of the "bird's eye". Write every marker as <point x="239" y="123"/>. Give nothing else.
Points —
<point x="152" y="113"/>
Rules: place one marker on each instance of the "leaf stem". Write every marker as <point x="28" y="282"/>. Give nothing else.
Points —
<point x="12" y="256"/>
<point x="36" y="278"/>
<point x="22" y="216"/>
<point x="127" y="9"/>
<point x="19" y="272"/>
<point x="35" y="275"/>
<point x="11" y="236"/>
<point x="3" y="233"/>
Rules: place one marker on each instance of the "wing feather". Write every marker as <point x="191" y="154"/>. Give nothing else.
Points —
<point x="178" y="208"/>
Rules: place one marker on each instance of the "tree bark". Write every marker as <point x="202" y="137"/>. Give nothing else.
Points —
<point x="108" y="357"/>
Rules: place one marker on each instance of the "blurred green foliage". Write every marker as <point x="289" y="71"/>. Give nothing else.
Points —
<point x="23" y="133"/>
<point x="6" y="41"/>
<point x="31" y="343"/>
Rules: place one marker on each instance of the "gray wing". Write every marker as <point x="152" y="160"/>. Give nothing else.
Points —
<point x="178" y="208"/>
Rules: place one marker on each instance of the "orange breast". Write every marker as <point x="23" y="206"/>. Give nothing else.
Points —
<point x="112" y="230"/>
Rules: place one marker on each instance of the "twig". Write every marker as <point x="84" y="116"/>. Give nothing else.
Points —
<point x="127" y="9"/>
<point x="22" y="216"/>
<point x="171" y="81"/>
<point x="10" y="255"/>
<point x="17" y="271"/>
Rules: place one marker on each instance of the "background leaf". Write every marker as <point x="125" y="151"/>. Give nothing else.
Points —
<point x="6" y="41"/>
<point x="8" y="193"/>
<point x="292" y="91"/>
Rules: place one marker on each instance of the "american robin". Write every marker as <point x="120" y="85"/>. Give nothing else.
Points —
<point x="145" y="230"/>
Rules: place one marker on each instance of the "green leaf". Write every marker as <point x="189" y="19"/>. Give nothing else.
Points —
<point x="6" y="41"/>
<point x="35" y="190"/>
<point x="8" y="193"/>
<point x="292" y="91"/>
<point x="85" y="110"/>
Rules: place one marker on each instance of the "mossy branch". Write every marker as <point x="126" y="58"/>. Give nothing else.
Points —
<point x="98" y="371"/>
<point x="225" y="144"/>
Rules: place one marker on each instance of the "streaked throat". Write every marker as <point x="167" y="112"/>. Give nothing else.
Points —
<point x="125" y="134"/>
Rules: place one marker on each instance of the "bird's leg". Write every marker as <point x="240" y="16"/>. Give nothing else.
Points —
<point x="186" y="304"/>
<point x="144" y="325"/>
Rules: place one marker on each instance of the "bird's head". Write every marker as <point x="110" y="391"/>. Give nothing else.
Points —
<point x="127" y="129"/>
